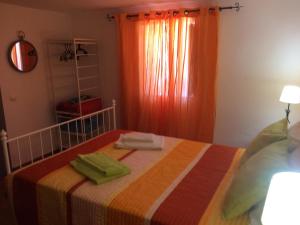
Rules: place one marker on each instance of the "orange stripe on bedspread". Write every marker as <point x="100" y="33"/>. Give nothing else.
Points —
<point x="24" y="182"/>
<point x="189" y="200"/>
<point x="131" y="205"/>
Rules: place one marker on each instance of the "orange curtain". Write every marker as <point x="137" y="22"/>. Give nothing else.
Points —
<point x="169" y="73"/>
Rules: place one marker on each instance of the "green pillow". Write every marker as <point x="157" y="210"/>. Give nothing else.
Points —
<point x="250" y="184"/>
<point x="294" y="136"/>
<point x="275" y="132"/>
<point x="256" y="213"/>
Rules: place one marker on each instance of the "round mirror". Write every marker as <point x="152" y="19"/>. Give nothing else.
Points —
<point x="23" y="56"/>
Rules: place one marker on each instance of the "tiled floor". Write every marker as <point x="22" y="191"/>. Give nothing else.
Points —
<point x="5" y="213"/>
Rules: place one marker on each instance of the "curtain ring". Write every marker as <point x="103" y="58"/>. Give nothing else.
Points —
<point x="186" y="12"/>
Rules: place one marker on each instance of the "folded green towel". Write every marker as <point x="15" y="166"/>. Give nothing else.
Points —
<point x="102" y="163"/>
<point x="99" y="168"/>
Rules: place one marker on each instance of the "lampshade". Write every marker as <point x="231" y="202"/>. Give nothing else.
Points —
<point x="290" y="94"/>
<point x="283" y="200"/>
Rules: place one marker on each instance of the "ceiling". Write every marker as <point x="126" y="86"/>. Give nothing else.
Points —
<point x="75" y="5"/>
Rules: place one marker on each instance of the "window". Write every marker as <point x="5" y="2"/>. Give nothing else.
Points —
<point x="167" y="47"/>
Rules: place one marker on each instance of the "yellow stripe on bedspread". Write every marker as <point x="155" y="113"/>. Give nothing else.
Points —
<point x="53" y="188"/>
<point x="52" y="201"/>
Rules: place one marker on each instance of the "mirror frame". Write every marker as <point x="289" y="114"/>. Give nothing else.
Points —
<point x="11" y="61"/>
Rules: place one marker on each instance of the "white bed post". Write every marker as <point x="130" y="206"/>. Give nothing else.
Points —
<point x="114" y="113"/>
<point x="5" y="151"/>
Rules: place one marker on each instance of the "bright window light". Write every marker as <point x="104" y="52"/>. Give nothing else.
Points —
<point x="157" y="56"/>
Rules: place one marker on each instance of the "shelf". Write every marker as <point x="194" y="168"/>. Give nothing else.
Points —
<point x="88" y="77"/>
<point x="58" y="112"/>
<point x="67" y="117"/>
<point x="84" y="66"/>
<point x="88" y="66"/>
<point x="76" y="39"/>
<point x="90" y="99"/>
<point x="85" y="42"/>
<point x="81" y="41"/>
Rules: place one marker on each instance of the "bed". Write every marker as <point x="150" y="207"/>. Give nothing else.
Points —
<point x="184" y="184"/>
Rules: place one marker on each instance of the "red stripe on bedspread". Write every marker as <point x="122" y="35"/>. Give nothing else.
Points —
<point x="189" y="200"/>
<point x="24" y="182"/>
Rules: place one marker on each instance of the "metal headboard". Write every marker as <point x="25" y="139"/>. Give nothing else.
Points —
<point x="57" y="138"/>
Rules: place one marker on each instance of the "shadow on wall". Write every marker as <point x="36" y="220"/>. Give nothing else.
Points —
<point x="2" y="126"/>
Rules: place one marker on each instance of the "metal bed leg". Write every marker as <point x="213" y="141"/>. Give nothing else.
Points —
<point x="5" y="151"/>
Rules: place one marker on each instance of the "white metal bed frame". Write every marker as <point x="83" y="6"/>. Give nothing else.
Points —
<point x="106" y="125"/>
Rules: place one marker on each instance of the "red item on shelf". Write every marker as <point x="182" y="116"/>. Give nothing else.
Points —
<point x="87" y="106"/>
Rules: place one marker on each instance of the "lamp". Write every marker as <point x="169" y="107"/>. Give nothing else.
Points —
<point x="283" y="200"/>
<point x="291" y="95"/>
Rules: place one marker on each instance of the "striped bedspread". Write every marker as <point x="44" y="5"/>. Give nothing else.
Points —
<point x="184" y="184"/>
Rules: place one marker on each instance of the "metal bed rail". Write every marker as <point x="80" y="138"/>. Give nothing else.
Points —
<point x="44" y="143"/>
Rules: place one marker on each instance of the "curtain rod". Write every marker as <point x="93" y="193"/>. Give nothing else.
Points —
<point x="236" y="7"/>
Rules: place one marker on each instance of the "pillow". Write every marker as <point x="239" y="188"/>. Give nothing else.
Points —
<point x="256" y="213"/>
<point x="294" y="159"/>
<point x="250" y="184"/>
<point x="294" y="136"/>
<point x="274" y="132"/>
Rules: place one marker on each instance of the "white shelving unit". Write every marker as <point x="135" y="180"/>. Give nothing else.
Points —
<point x="87" y="75"/>
<point x="73" y="77"/>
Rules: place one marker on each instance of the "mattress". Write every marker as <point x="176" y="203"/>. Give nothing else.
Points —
<point x="184" y="184"/>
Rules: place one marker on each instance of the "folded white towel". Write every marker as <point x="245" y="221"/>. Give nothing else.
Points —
<point x="137" y="137"/>
<point x="157" y="144"/>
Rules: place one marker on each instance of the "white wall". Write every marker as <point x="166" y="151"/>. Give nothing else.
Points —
<point x="259" y="53"/>
<point x="95" y="25"/>
<point x="26" y="96"/>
